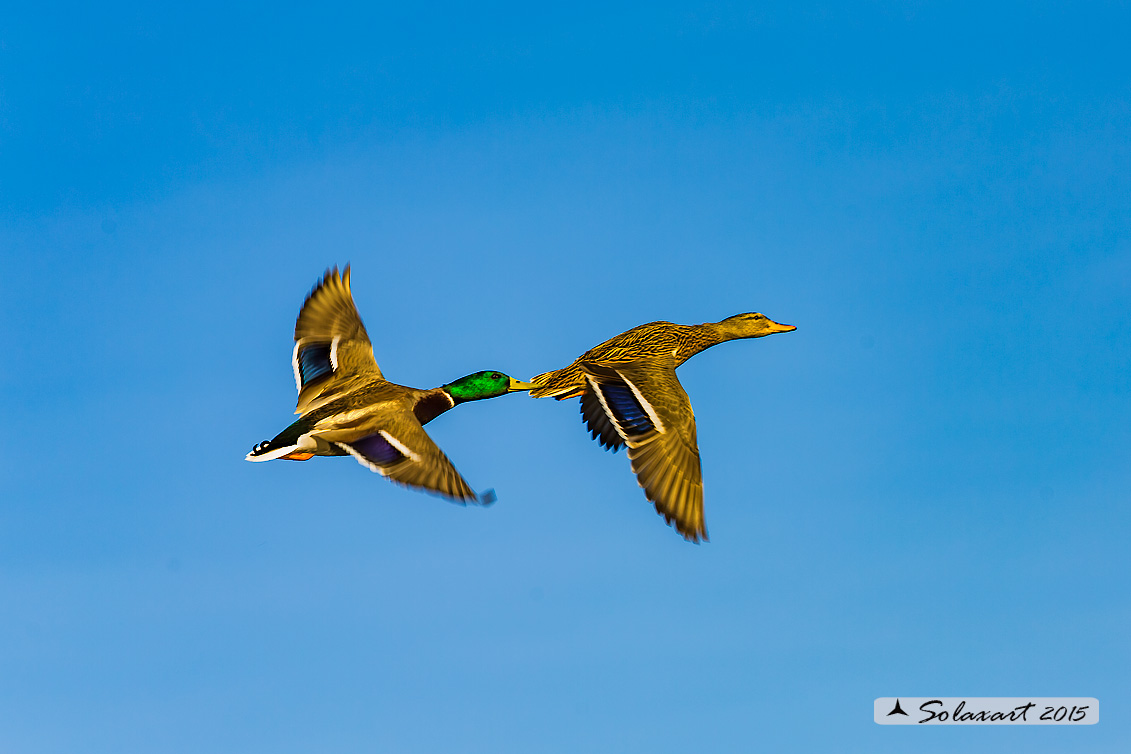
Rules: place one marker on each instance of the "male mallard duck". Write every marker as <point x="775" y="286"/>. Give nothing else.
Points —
<point x="347" y="405"/>
<point x="631" y="396"/>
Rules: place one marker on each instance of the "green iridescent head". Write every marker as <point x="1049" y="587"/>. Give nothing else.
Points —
<point x="475" y="387"/>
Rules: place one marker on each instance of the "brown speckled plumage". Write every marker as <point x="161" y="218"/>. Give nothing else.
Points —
<point x="630" y="395"/>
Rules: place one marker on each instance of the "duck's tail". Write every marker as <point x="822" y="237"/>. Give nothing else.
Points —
<point x="568" y="382"/>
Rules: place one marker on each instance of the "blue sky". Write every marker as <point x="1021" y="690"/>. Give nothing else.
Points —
<point x="921" y="491"/>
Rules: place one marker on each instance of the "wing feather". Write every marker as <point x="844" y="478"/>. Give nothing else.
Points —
<point x="332" y="350"/>
<point x="599" y="424"/>
<point x="406" y="454"/>
<point x="651" y="412"/>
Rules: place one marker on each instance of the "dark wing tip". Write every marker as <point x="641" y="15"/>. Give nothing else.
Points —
<point x="690" y="532"/>
<point x="695" y="537"/>
<point x="487" y="498"/>
<point x="330" y="277"/>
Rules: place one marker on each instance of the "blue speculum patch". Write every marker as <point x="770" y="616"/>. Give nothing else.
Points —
<point x="628" y="412"/>
<point x="377" y="449"/>
<point x="314" y="362"/>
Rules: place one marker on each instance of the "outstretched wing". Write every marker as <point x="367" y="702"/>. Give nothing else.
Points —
<point x="331" y="345"/>
<point x="650" y="411"/>
<point x="406" y="454"/>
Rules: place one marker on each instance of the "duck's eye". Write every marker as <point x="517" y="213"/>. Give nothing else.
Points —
<point x="495" y="375"/>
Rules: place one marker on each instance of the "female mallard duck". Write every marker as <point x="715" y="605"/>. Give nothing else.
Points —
<point x="631" y="396"/>
<point x="347" y="405"/>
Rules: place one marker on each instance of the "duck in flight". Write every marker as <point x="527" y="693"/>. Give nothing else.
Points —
<point x="347" y="407"/>
<point x="630" y="395"/>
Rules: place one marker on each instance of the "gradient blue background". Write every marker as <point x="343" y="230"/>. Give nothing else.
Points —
<point x="921" y="491"/>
